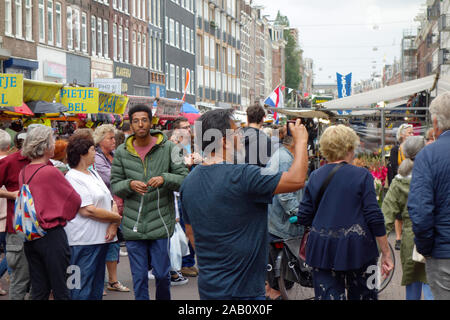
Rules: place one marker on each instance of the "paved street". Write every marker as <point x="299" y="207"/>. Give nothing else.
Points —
<point x="189" y="291"/>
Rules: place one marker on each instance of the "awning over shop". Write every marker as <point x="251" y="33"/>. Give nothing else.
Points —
<point x="388" y="93"/>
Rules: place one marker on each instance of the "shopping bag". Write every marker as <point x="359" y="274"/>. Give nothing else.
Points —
<point x="417" y="257"/>
<point x="178" y="247"/>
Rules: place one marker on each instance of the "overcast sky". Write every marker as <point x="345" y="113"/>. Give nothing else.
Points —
<point x="339" y="35"/>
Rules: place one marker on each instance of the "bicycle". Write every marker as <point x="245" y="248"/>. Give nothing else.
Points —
<point x="288" y="266"/>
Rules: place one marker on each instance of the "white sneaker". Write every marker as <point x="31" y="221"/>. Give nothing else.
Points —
<point x="123" y="253"/>
<point x="150" y="275"/>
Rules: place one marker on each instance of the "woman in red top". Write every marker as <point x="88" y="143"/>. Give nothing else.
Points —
<point x="56" y="202"/>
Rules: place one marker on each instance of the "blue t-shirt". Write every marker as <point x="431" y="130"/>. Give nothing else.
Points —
<point x="227" y="207"/>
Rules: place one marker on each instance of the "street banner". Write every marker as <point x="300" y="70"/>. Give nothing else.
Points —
<point x="80" y="100"/>
<point x="188" y="78"/>
<point x="109" y="85"/>
<point x="112" y="103"/>
<point x="344" y="84"/>
<point x="11" y="90"/>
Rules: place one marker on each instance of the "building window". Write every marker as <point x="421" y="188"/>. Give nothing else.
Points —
<point x="105" y="39"/>
<point x="99" y="37"/>
<point x="143" y="10"/>
<point x="115" y="41"/>
<point x="183" y="78"/>
<point x="144" y="50"/>
<point x="41" y="20"/>
<point x="177" y="79"/>
<point x="93" y="35"/>
<point x="160" y="55"/>
<point x="172" y="77"/>
<point x="177" y="34"/>
<point x="158" y="12"/>
<point x="167" y="30"/>
<point x="183" y="38"/>
<point x="167" y="76"/>
<point x="50" y="22"/>
<point x="134" y="47"/>
<point x="171" y="32"/>
<point x="19" y="18"/>
<point x="188" y="39"/>
<point x="126" y="45"/>
<point x="192" y="42"/>
<point x="77" y="33"/>
<point x="8" y="17"/>
<point x="138" y="11"/>
<point x="125" y="6"/>
<point x="206" y="50"/>
<point x="28" y="20"/>
<point x="139" y="50"/>
<point x="191" y="87"/>
<point x="58" y="24"/>
<point x="120" y="57"/>
<point x="69" y="28"/>
<point x="84" y="32"/>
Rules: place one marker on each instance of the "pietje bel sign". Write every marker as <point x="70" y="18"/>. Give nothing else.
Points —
<point x="80" y="100"/>
<point x="11" y="90"/>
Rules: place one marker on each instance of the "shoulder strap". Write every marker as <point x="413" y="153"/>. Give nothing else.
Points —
<point x="29" y="180"/>
<point x="327" y="182"/>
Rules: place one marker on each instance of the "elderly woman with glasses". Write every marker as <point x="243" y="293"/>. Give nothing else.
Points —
<point x="56" y="203"/>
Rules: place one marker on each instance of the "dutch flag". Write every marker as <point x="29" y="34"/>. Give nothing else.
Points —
<point x="275" y="100"/>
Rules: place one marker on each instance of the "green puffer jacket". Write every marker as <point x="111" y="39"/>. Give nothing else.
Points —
<point x="128" y="166"/>
<point x="396" y="202"/>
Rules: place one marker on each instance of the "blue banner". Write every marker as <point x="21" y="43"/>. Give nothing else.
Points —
<point x="344" y="84"/>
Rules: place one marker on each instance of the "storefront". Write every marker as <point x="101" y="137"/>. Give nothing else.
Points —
<point x="140" y="81"/>
<point x="123" y="71"/>
<point x="135" y="81"/>
<point x="76" y="69"/>
<point x="157" y="90"/>
<point x="101" y="69"/>
<point x="52" y="66"/>
<point x="23" y="66"/>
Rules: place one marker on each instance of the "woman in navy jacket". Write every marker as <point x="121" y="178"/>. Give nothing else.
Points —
<point x="346" y="225"/>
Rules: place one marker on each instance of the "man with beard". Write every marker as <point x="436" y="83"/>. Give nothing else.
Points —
<point x="225" y="208"/>
<point x="145" y="175"/>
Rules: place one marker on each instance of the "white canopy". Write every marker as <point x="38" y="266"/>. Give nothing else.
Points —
<point x="389" y="93"/>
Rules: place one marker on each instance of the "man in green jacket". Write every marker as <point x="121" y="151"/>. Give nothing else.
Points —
<point x="145" y="172"/>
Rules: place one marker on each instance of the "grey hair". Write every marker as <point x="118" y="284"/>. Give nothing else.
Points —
<point x="101" y="131"/>
<point x="411" y="147"/>
<point x="5" y="140"/>
<point x="440" y="110"/>
<point x="38" y="140"/>
<point x="400" y="130"/>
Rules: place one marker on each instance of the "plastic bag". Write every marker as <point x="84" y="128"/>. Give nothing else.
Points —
<point x="178" y="247"/>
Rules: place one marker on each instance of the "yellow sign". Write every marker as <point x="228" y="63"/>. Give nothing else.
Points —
<point x="112" y="103"/>
<point x="80" y="100"/>
<point x="11" y="90"/>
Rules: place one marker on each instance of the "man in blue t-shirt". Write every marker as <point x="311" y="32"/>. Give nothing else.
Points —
<point x="225" y="208"/>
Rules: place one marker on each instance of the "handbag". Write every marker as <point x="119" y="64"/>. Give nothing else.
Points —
<point x="325" y="184"/>
<point x="416" y="256"/>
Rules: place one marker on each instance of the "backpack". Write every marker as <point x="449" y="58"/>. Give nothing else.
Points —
<point x="26" y="223"/>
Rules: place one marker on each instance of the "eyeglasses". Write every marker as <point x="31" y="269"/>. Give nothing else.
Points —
<point x="185" y="127"/>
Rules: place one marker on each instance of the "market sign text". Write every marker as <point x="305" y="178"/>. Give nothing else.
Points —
<point x="11" y="90"/>
<point x="80" y="100"/>
<point x="112" y="103"/>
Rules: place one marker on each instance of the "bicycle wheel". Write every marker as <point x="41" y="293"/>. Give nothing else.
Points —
<point x="296" y="292"/>
<point x="383" y="283"/>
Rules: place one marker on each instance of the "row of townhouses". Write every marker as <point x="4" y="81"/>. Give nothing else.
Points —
<point x="234" y="54"/>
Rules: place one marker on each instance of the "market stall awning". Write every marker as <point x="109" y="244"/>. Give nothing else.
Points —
<point x="301" y="113"/>
<point x="40" y="90"/>
<point x="404" y="89"/>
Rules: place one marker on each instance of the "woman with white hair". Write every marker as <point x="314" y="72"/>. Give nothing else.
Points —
<point x="395" y="203"/>
<point x="395" y="160"/>
<point x="105" y="144"/>
<point x="56" y="203"/>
